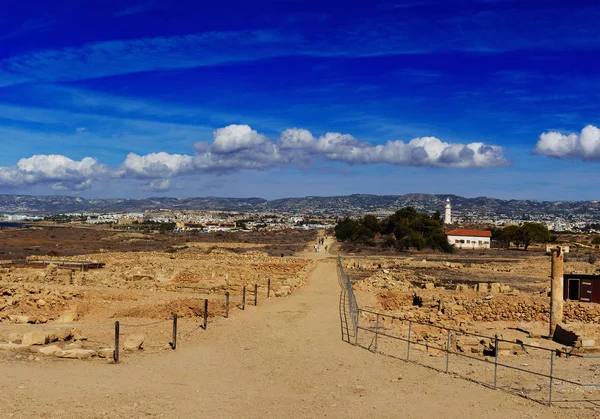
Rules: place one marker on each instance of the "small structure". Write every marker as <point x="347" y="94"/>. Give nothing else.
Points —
<point x="470" y="239"/>
<point x="581" y="287"/>
<point x="448" y="212"/>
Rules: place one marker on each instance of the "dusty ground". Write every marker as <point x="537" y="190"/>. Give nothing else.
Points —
<point x="139" y="288"/>
<point x="439" y="291"/>
<point x="69" y="241"/>
<point x="284" y="358"/>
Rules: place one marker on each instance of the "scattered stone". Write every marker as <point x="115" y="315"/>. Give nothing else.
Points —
<point x="134" y="342"/>
<point x="106" y="353"/>
<point x="50" y="350"/>
<point x="35" y="338"/>
<point x="429" y="286"/>
<point x="18" y="319"/>
<point x="67" y="317"/>
<point x="77" y="353"/>
<point x="11" y="346"/>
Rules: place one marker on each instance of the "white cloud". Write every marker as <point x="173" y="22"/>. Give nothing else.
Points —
<point x="584" y="146"/>
<point x="56" y="171"/>
<point x="234" y="138"/>
<point x="156" y="165"/>
<point x="239" y="147"/>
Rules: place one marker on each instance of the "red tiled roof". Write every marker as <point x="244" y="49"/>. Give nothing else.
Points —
<point x="474" y="233"/>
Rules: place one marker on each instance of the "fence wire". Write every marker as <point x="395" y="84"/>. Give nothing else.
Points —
<point x="349" y="308"/>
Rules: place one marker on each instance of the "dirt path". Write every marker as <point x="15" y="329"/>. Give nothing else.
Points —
<point x="282" y="359"/>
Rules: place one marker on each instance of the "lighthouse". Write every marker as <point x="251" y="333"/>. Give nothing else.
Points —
<point x="448" y="212"/>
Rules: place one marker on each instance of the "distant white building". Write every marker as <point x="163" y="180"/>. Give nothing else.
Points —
<point x="448" y="212"/>
<point x="470" y="239"/>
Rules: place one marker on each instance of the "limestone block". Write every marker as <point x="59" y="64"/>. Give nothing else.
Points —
<point x="77" y="353"/>
<point x="134" y="342"/>
<point x="35" y="338"/>
<point x="50" y="350"/>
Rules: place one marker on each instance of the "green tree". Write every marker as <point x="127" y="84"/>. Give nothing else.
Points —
<point x="371" y="222"/>
<point x="596" y="240"/>
<point x="534" y="232"/>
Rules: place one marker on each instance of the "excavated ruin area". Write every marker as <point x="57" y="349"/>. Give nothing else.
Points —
<point x="488" y="298"/>
<point x="64" y="313"/>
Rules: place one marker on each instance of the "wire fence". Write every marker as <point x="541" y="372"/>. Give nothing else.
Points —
<point x="438" y="347"/>
<point x="71" y="333"/>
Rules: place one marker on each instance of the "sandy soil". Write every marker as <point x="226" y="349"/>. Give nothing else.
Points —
<point x="281" y="359"/>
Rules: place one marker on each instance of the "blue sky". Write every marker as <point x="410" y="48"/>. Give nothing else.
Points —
<point x="292" y="98"/>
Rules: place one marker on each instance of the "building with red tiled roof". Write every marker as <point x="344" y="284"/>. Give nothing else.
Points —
<point x="470" y="239"/>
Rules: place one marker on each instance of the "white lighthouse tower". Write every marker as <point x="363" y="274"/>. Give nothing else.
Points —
<point x="448" y="212"/>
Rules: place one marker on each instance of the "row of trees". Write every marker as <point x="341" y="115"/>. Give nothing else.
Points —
<point x="403" y="230"/>
<point x="522" y="235"/>
<point x="407" y="228"/>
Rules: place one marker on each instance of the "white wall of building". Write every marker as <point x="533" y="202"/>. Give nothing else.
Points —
<point x="469" y="242"/>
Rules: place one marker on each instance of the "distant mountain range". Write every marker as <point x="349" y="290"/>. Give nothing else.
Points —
<point x="330" y="205"/>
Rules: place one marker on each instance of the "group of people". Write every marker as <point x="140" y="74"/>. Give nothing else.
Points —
<point x="320" y="244"/>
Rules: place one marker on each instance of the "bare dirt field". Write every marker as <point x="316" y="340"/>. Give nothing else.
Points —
<point x="57" y="240"/>
<point x="282" y="358"/>
<point x="484" y="294"/>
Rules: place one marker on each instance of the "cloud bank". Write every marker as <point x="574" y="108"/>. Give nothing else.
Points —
<point x="584" y="146"/>
<point x="239" y="147"/>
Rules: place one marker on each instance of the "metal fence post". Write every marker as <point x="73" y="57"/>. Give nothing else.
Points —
<point x="116" y="351"/>
<point x="255" y="295"/>
<point x="551" y="377"/>
<point x="495" y="361"/>
<point x="244" y="298"/>
<point x="227" y="305"/>
<point x="205" y="314"/>
<point x="269" y="288"/>
<point x="448" y="351"/>
<point x="174" y="342"/>
<point x="408" y="340"/>
<point x="376" y="334"/>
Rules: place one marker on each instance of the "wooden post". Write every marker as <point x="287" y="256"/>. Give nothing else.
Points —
<point x="116" y="351"/>
<point x="255" y="295"/>
<point x="174" y="343"/>
<point x="269" y="288"/>
<point x="205" y="313"/>
<point x="227" y="305"/>
<point x="244" y="298"/>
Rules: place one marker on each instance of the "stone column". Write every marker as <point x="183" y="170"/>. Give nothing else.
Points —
<point x="556" y="290"/>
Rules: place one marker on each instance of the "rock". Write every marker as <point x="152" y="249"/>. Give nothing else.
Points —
<point x="587" y="343"/>
<point x="495" y="288"/>
<point x="106" y="353"/>
<point x="11" y="346"/>
<point x="14" y="338"/>
<point x="35" y="338"/>
<point x="50" y="350"/>
<point x="462" y="288"/>
<point x="18" y="319"/>
<point x="41" y="303"/>
<point x="60" y="335"/>
<point x="134" y="342"/>
<point x="77" y="353"/>
<point x="66" y="317"/>
<point x="283" y="291"/>
<point x="78" y="335"/>
<point x="429" y="286"/>
<point x="74" y="345"/>
<point x="482" y="287"/>
<point x="504" y="289"/>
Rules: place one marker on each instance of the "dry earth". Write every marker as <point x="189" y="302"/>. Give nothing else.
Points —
<point x="284" y="358"/>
